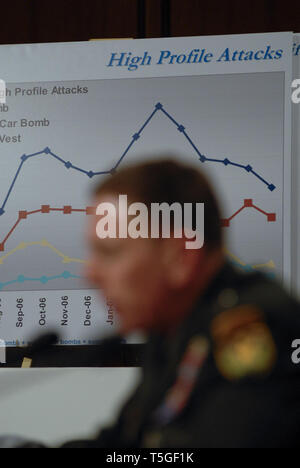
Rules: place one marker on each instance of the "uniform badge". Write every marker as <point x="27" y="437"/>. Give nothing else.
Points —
<point x="243" y="343"/>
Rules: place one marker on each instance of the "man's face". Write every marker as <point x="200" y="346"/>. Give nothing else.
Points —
<point x="130" y="273"/>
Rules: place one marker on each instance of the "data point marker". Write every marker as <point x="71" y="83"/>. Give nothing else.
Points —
<point x="248" y="202"/>
<point x="271" y="217"/>
<point x="225" y="223"/>
<point x="22" y="214"/>
<point x="45" y="208"/>
<point x="67" y="210"/>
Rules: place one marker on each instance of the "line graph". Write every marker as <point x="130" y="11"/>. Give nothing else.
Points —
<point x="159" y="107"/>
<point x="68" y="210"/>
<point x="45" y="209"/>
<point x="229" y="126"/>
<point x="44" y="279"/>
<point x="90" y="210"/>
<point x="270" y="265"/>
<point x="42" y="243"/>
<point x="248" y="203"/>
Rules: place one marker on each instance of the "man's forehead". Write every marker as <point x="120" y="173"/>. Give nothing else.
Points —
<point x="106" y="197"/>
<point x="109" y="205"/>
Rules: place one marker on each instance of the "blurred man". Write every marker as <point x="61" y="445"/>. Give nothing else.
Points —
<point x="218" y="370"/>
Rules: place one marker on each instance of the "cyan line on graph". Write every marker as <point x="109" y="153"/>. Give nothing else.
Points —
<point x="249" y="269"/>
<point x="136" y="136"/>
<point x="68" y="275"/>
<point x="42" y="279"/>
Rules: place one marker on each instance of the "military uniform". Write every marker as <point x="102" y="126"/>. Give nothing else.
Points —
<point x="225" y="378"/>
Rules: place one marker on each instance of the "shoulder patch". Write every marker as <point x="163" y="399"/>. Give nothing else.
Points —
<point x="243" y="343"/>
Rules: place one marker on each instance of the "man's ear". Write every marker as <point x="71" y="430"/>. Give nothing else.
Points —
<point x="180" y="264"/>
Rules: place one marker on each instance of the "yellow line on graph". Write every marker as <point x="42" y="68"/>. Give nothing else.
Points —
<point x="269" y="264"/>
<point x="234" y="257"/>
<point x="42" y="243"/>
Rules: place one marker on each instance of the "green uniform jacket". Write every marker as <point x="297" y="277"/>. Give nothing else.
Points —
<point x="224" y="378"/>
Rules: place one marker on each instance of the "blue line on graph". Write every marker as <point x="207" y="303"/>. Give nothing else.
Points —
<point x="42" y="279"/>
<point x="135" y="137"/>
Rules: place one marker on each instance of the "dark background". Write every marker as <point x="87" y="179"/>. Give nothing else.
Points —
<point x="29" y="21"/>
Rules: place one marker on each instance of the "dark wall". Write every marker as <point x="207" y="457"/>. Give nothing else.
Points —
<point x="234" y="16"/>
<point x="27" y="21"/>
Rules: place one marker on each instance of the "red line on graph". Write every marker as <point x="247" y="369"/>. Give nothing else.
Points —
<point x="248" y="203"/>
<point x="45" y="209"/>
<point x="90" y="210"/>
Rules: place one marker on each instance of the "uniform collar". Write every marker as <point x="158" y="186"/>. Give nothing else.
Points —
<point x="197" y="321"/>
<point x="225" y="277"/>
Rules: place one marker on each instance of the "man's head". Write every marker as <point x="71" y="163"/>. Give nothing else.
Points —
<point x="153" y="282"/>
